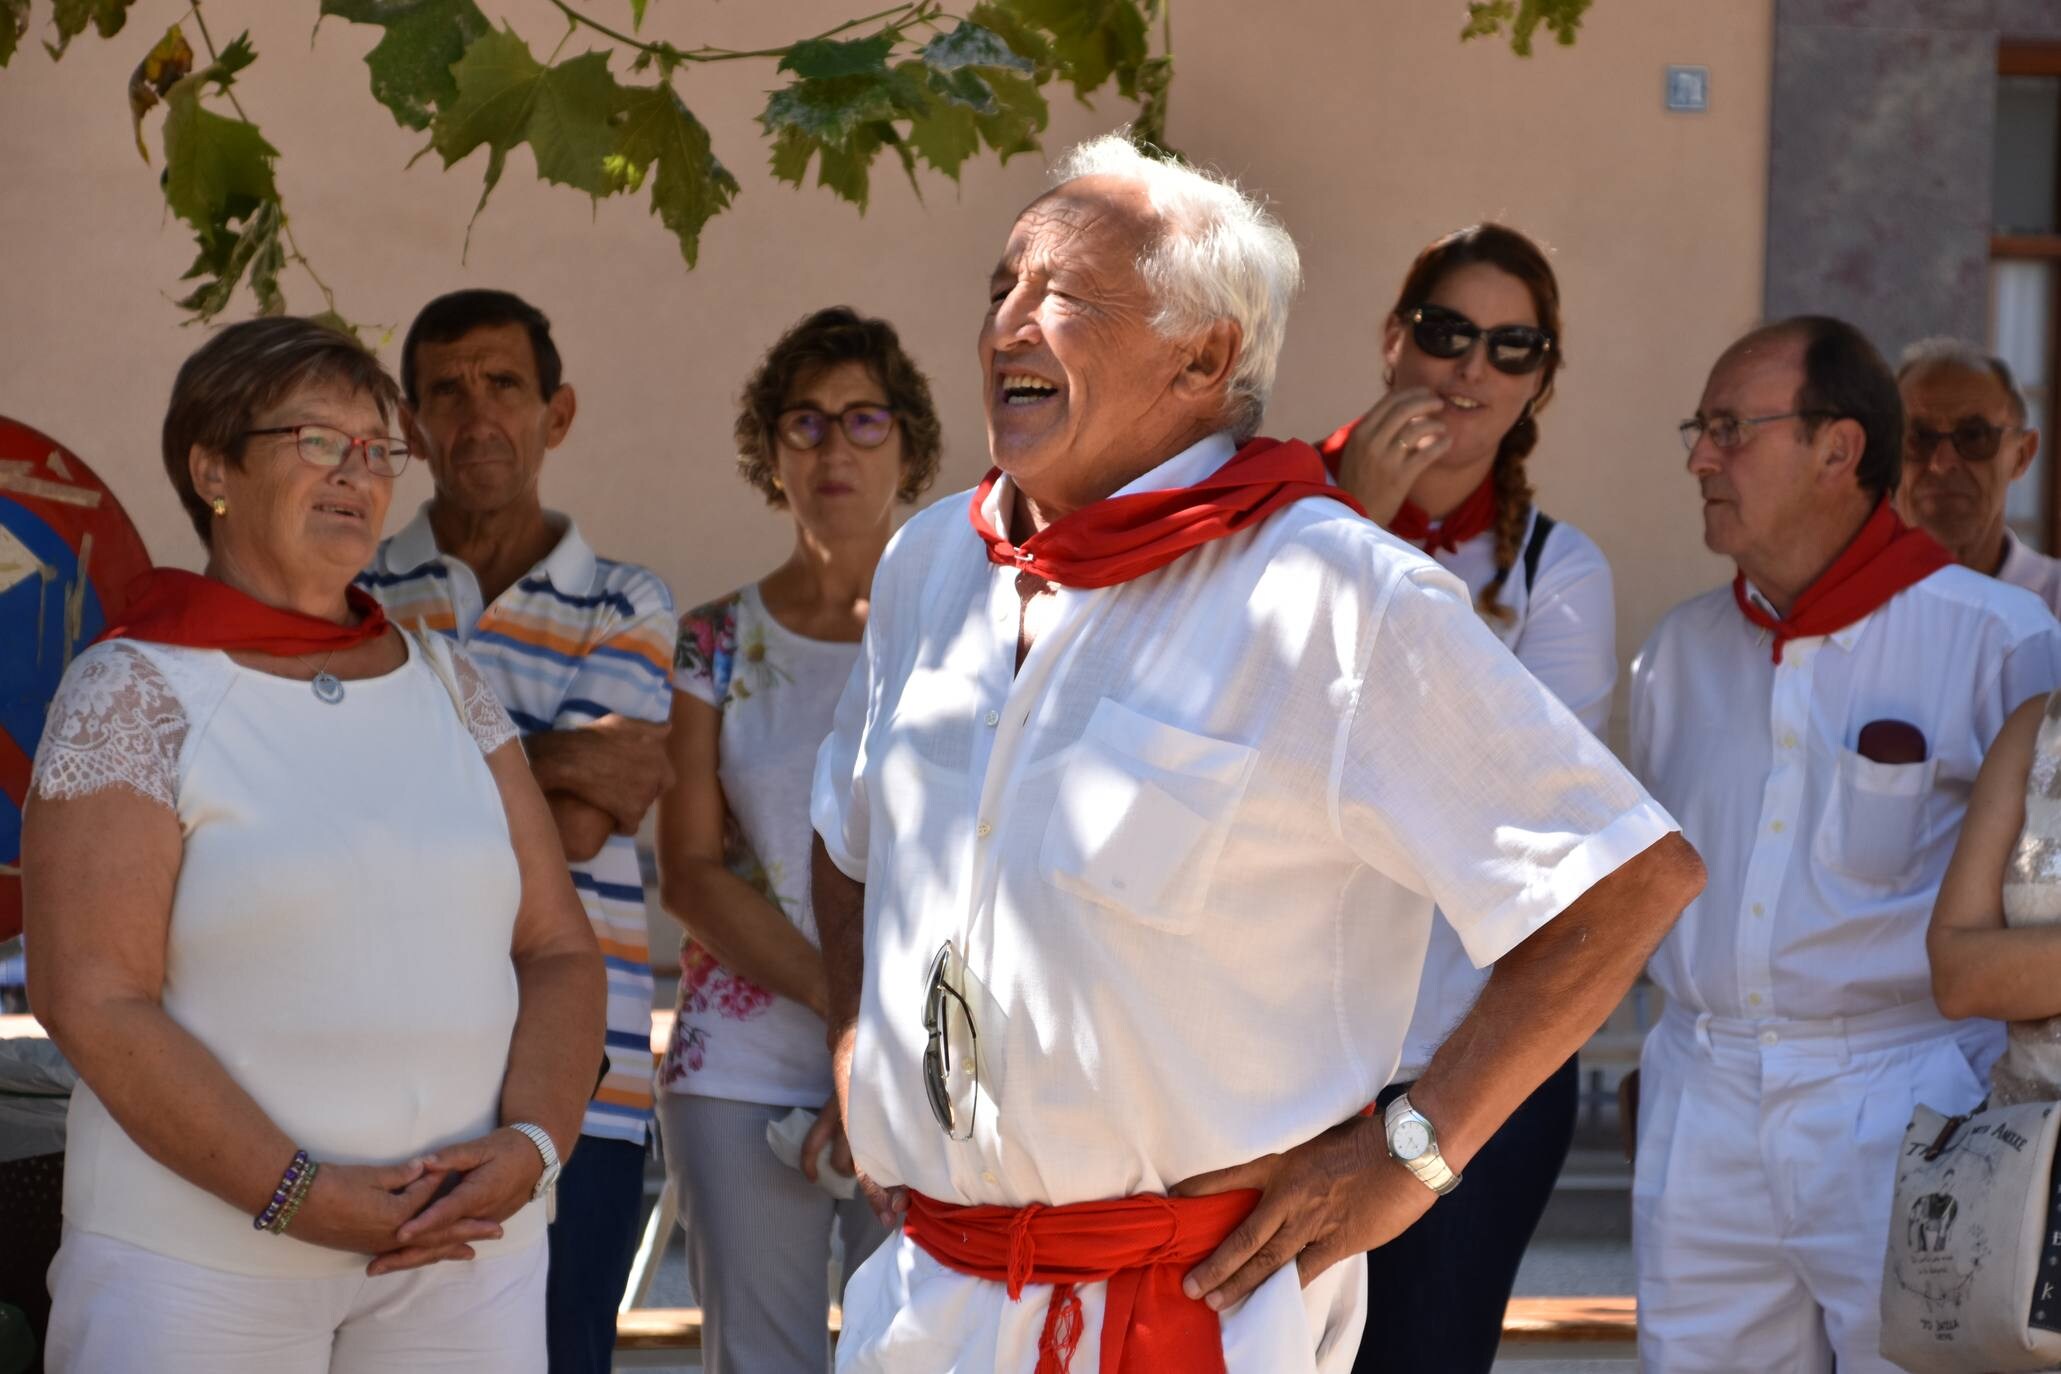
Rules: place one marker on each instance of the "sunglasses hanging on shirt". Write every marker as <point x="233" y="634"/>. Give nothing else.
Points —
<point x="1513" y="349"/>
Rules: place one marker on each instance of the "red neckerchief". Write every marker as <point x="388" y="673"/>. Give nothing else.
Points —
<point x="1140" y="1245"/>
<point x="1122" y="537"/>
<point x="1883" y="559"/>
<point x="1476" y="515"/>
<point x="171" y="606"/>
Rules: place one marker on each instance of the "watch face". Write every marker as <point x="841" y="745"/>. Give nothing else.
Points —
<point x="1410" y="1139"/>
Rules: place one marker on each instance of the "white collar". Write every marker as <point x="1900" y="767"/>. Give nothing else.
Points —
<point x="1184" y="469"/>
<point x="570" y="566"/>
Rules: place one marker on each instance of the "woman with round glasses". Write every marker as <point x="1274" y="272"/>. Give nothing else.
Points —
<point x="299" y="916"/>
<point x="836" y="427"/>
<point x="1470" y="353"/>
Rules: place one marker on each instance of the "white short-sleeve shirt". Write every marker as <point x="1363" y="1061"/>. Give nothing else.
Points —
<point x="2029" y="568"/>
<point x="1823" y="864"/>
<point x="1562" y="626"/>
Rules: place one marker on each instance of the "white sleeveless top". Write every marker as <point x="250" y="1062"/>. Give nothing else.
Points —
<point x="2030" y="1069"/>
<point x="340" y="929"/>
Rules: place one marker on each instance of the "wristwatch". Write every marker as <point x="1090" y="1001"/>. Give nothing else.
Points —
<point x="547" y="1182"/>
<point x="1413" y="1143"/>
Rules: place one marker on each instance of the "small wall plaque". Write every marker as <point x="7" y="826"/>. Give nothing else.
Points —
<point x="1688" y="89"/>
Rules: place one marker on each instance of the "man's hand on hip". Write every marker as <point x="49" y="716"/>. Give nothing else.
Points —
<point x="1320" y="1202"/>
<point x="616" y="764"/>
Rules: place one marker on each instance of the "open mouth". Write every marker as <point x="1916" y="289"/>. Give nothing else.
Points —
<point x="1022" y="389"/>
<point x="1460" y="402"/>
<point x="347" y="512"/>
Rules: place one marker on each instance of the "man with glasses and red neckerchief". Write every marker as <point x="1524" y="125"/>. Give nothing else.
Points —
<point x="1816" y="726"/>
<point x="1966" y="442"/>
<point x="1130" y="827"/>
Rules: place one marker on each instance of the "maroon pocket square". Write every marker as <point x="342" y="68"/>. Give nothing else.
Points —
<point x="1891" y="741"/>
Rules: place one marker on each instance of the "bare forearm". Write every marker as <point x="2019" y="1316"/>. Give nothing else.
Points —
<point x="2011" y="975"/>
<point x="1547" y="996"/>
<point x="747" y="934"/>
<point x="840" y="907"/>
<point x="173" y="1097"/>
<point x="556" y="1050"/>
<point x="583" y="828"/>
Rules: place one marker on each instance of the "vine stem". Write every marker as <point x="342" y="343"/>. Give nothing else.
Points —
<point x="293" y="246"/>
<point x="913" y="12"/>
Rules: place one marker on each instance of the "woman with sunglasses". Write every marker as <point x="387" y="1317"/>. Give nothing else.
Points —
<point x="836" y="428"/>
<point x="1470" y="354"/>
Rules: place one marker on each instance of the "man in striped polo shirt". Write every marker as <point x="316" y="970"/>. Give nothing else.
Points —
<point x="580" y="650"/>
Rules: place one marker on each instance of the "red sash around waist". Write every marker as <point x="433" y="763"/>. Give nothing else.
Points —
<point x="1142" y="1246"/>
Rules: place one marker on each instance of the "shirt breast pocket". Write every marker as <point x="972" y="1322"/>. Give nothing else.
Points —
<point x="1139" y="815"/>
<point x="1874" y="819"/>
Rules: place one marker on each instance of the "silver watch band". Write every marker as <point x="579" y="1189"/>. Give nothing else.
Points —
<point x="1430" y="1167"/>
<point x="541" y="1138"/>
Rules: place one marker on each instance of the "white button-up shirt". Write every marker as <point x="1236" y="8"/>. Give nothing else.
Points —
<point x="1824" y="864"/>
<point x="2032" y="570"/>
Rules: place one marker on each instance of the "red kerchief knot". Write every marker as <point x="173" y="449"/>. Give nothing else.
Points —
<point x="1141" y="1246"/>
<point x="1122" y="537"/>
<point x="1473" y="516"/>
<point x="1883" y="559"/>
<point x="171" y="606"/>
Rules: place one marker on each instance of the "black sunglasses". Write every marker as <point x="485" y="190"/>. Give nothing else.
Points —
<point x="1974" y="438"/>
<point x="937" y="1049"/>
<point x="1514" y="349"/>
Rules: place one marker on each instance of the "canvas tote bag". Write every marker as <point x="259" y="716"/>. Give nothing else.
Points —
<point x="1971" y="1283"/>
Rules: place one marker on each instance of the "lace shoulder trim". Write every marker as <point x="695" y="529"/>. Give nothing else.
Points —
<point x="115" y="722"/>
<point x="484" y="715"/>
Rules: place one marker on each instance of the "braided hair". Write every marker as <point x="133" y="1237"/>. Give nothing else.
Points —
<point x="1508" y="251"/>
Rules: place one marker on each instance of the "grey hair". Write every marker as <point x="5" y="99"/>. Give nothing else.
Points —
<point x="1942" y="351"/>
<point x="1221" y="256"/>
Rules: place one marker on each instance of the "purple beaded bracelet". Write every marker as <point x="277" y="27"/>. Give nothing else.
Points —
<point x="278" y="1203"/>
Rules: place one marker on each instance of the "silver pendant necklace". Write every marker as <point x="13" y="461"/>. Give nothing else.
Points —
<point x="327" y="686"/>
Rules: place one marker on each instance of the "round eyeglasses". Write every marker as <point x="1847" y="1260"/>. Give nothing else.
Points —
<point x="866" y="424"/>
<point x="323" y="446"/>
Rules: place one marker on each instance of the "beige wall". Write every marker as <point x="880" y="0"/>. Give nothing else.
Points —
<point x="1367" y="122"/>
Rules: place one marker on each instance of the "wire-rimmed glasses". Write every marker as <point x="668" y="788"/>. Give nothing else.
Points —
<point x="324" y="446"/>
<point x="1727" y="432"/>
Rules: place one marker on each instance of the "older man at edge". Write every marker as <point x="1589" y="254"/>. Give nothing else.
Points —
<point x="1130" y="828"/>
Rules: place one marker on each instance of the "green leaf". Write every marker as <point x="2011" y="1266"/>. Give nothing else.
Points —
<point x="506" y="97"/>
<point x="1022" y="118"/>
<point x="1522" y="18"/>
<point x="162" y="68"/>
<point x="971" y="45"/>
<point x="1092" y="40"/>
<point x="236" y="54"/>
<point x="14" y="26"/>
<point x="72" y="16"/>
<point x="1155" y="87"/>
<point x="216" y="169"/>
<point x="1023" y="40"/>
<point x="569" y="128"/>
<point x="637" y="22"/>
<point x="946" y="137"/>
<point x="411" y="64"/>
<point x="845" y="170"/>
<point x="691" y="186"/>
<point x="966" y="88"/>
<point x="824" y="58"/>
<point x="792" y="150"/>
<point x="258" y="239"/>
<point x="829" y="110"/>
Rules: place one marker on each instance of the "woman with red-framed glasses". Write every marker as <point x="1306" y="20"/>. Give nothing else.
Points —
<point x="837" y="429"/>
<point x="1470" y="354"/>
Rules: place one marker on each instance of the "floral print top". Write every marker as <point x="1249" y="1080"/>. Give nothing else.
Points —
<point x="776" y="691"/>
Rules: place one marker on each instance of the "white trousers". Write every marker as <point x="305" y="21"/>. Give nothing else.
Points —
<point x="121" y="1309"/>
<point x="1761" y="1197"/>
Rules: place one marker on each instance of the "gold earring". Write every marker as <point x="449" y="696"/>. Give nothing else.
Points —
<point x="220" y="505"/>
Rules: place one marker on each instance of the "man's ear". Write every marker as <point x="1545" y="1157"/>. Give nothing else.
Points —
<point x="2029" y="448"/>
<point x="1211" y="359"/>
<point x="558" y="415"/>
<point x="209" y="471"/>
<point x="1840" y="447"/>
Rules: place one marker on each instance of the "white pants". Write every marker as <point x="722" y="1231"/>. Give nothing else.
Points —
<point x="121" y="1309"/>
<point x="1761" y="1198"/>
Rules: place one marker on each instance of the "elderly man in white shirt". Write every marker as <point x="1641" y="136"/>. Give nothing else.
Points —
<point x="1965" y="442"/>
<point x="1816" y="727"/>
<point x="1130" y="827"/>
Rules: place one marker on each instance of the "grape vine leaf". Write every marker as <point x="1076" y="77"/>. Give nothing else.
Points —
<point x="1522" y="18"/>
<point x="162" y="68"/>
<point x="825" y="58"/>
<point x="506" y="97"/>
<point x="411" y="64"/>
<point x="691" y="186"/>
<point x="14" y="26"/>
<point x="72" y="16"/>
<point x="973" y="45"/>
<point x="1092" y="40"/>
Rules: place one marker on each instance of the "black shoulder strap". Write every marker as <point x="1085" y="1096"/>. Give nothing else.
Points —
<point x="1535" y="549"/>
